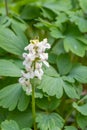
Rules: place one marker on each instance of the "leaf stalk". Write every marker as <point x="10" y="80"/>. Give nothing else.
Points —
<point x="6" y="7"/>
<point x="33" y="107"/>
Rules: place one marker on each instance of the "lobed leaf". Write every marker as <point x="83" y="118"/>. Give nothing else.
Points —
<point x="48" y="103"/>
<point x="70" y="90"/>
<point x="7" y="68"/>
<point x="64" y="64"/>
<point x="52" y="86"/>
<point x="11" y="42"/>
<point x="49" y="121"/>
<point x="82" y="109"/>
<point x="82" y="121"/>
<point x="79" y="73"/>
<point x="70" y="128"/>
<point x="83" y="4"/>
<point x="70" y="43"/>
<point x="11" y="125"/>
<point x="11" y="96"/>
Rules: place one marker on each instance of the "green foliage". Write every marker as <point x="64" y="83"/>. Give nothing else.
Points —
<point x="12" y="96"/>
<point x="51" y="121"/>
<point x="24" y="119"/>
<point x="7" y="68"/>
<point x="48" y="104"/>
<point x="79" y="73"/>
<point x="83" y="4"/>
<point x="82" y="121"/>
<point x="76" y="47"/>
<point x="52" y="86"/>
<point x="82" y="109"/>
<point x="10" y="42"/>
<point x="11" y="125"/>
<point x="61" y="95"/>
<point x="64" y="64"/>
<point x="70" y="128"/>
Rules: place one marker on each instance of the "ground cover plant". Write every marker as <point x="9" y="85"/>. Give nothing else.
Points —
<point x="54" y="97"/>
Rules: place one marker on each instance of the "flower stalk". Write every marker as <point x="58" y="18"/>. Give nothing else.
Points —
<point x="6" y="7"/>
<point x="33" y="108"/>
<point x="33" y="62"/>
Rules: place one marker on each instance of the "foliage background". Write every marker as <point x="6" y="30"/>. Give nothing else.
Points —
<point x="61" y="100"/>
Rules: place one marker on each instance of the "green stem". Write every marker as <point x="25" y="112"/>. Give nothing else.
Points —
<point x="6" y="7"/>
<point x="68" y="115"/>
<point x="33" y="107"/>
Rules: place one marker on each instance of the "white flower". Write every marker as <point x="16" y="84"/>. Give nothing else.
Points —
<point x="29" y="47"/>
<point x="38" y="65"/>
<point x="22" y="80"/>
<point x="27" y="88"/>
<point x="43" y="56"/>
<point x="31" y="57"/>
<point x="39" y="73"/>
<point x="33" y="62"/>
<point x="46" y="63"/>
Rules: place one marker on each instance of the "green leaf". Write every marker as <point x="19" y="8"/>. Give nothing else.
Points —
<point x="19" y="32"/>
<point x="56" y="33"/>
<point x="7" y="68"/>
<point x="2" y="52"/>
<point x="19" y="24"/>
<point x="61" y="18"/>
<point x="11" y="96"/>
<point x="70" y="43"/>
<point x="70" y="90"/>
<point x="30" y="12"/>
<point x="82" y="121"/>
<point x="82" y="24"/>
<point x="60" y="5"/>
<point x="52" y="86"/>
<point x="83" y="4"/>
<point x="80" y="21"/>
<point x="9" y="125"/>
<point x="45" y="23"/>
<point x="79" y="73"/>
<point x="58" y="48"/>
<point x="24" y="119"/>
<point x="52" y="58"/>
<point x="51" y="71"/>
<point x="56" y="128"/>
<point x="82" y="109"/>
<point x="49" y="121"/>
<point x="64" y="64"/>
<point x="27" y="129"/>
<point x="70" y="128"/>
<point x="48" y="103"/>
<point x="3" y="114"/>
<point x="68" y="79"/>
<point x="47" y="13"/>
<point x="10" y="42"/>
<point x="82" y="39"/>
<point x="23" y="101"/>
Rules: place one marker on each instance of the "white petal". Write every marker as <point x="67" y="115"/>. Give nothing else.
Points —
<point x="48" y="46"/>
<point x="38" y="65"/>
<point x="45" y="40"/>
<point x="22" y="80"/>
<point x="39" y="73"/>
<point x="31" y="57"/>
<point x="46" y="63"/>
<point x="28" y="90"/>
<point x="44" y="56"/>
<point x="24" y="55"/>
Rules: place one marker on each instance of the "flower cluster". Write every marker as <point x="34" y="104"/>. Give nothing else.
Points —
<point x="34" y="59"/>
